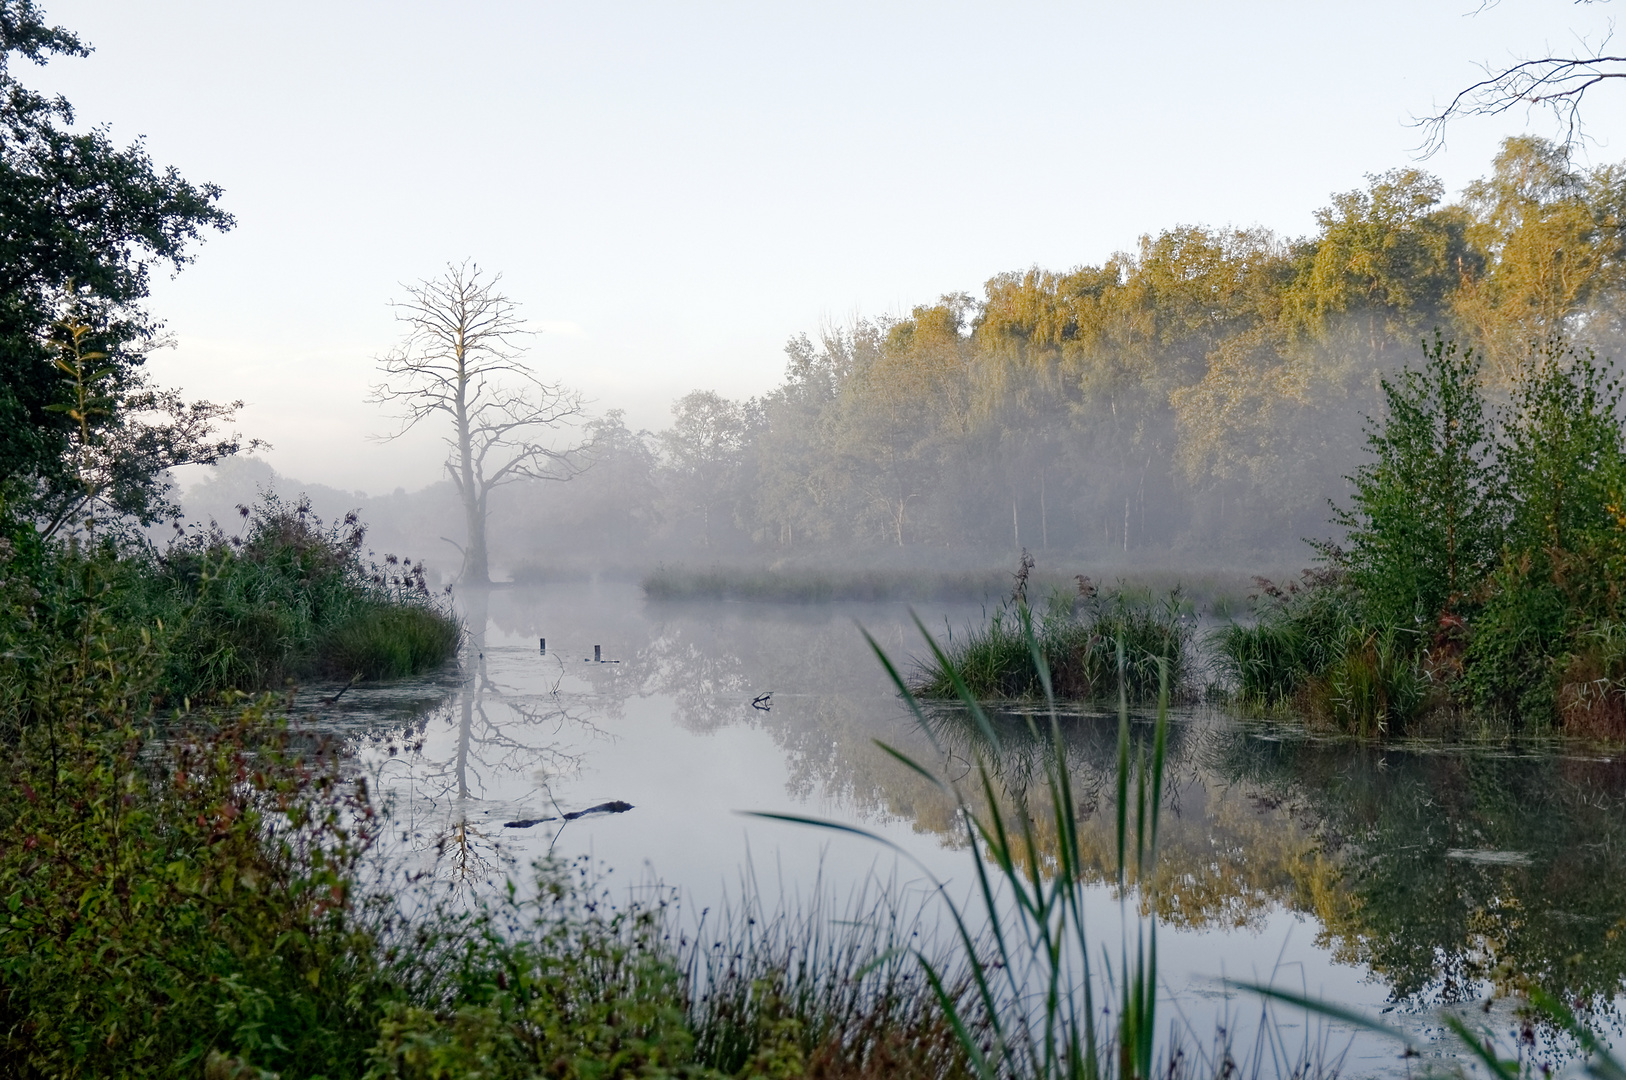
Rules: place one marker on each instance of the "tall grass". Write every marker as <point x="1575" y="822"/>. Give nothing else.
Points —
<point x="1031" y="960"/>
<point x="1079" y="647"/>
<point x="821" y="586"/>
<point x="1309" y="651"/>
<point x="826" y="992"/>
<point x="289" y="598"/>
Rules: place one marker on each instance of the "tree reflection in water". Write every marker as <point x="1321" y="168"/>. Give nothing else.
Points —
<point x="499" y="733"/>
<point x="1449" y="872"/>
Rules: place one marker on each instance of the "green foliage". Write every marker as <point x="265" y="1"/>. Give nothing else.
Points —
<point x="168" y="898"/>
<point x="1080" y="642"/>
<point x="1481" y="562"/>
<point x="293" y="598"/>
<point x="1564" y="468"/>
<point x="1424" y="524"/>
<point x="83" y="223"/>
<point x="562" y="983"/>
<point x="388" y="641"/>
<point x="1296" y="634"/>
<point x="1310" y="651"/>
<point x="91" y="634"/>
<point x="1374" y="688"/>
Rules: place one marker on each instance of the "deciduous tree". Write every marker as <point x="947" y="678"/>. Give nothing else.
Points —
<point x="83" y="223"/>
<point x="460" y="364"/>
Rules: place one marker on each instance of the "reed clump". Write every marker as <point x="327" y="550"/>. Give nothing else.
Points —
<point x="1079" y="636"/>
<point x="286" y="598"/>
<point x="1309" y="653"/>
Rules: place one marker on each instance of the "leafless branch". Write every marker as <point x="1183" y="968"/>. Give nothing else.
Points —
<point x="1556" y="83"/>
<point x="461" y="362"/>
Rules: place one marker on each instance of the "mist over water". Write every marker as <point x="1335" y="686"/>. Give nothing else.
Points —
<point x="1401" y="878"/>
<point x="1199" y="402"/>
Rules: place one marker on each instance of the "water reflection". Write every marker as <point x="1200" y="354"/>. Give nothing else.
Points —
<point x="1455" y="869"/>
<point x="1449" y="873"/>
<point x="1442" y="873"/>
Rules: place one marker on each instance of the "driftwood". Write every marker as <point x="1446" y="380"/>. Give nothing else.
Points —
<point x="613" y="807"/>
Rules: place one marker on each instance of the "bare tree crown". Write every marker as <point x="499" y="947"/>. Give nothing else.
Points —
<point x="460" y="360"/>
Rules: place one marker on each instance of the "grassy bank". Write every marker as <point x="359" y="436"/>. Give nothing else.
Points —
<point x="284" y="598"/>
<point x="1219" y="592"/>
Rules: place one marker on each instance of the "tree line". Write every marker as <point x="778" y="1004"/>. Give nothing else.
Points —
<point x="1205" y="392"/>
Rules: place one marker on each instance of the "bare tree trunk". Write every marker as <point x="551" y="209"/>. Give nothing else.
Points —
<point x="460" y="360"/>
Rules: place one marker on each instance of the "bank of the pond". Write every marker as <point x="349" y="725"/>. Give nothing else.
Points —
<point x="1219" y="592"/>
<point x="284" y="598"/>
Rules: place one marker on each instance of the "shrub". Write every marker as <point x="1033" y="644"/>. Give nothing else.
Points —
<point x="291" y="599"/>
<point x="176" y="899"/>
<point x="1562" y="570"/>
<point x="558" y="983"/>
<point x="1425" y="522"/>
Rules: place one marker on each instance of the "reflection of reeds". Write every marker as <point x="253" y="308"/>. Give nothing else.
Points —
<point x="1026" y="949"/>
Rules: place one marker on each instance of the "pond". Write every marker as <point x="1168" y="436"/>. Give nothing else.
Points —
<point x="1399" y="878"/>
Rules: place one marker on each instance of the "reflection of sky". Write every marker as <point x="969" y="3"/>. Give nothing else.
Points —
<point x="671" y="730"/>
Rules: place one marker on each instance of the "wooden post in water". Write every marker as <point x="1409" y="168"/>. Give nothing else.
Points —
<point x="1044" y="523"/>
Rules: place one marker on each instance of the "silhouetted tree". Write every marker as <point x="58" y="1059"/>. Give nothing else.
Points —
<point x="460" y="363"/>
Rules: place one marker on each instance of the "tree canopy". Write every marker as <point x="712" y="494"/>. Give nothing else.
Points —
<point x="84" y="223"/>
<point x="1205" y="390"/>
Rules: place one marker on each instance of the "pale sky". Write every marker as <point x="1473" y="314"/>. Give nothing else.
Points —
<point x="671" y="190"/>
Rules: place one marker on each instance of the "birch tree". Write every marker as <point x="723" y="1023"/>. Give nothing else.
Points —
<point x="460" y="364"/>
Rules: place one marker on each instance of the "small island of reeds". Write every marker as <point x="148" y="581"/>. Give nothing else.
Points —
<point x="1091" y="641"/>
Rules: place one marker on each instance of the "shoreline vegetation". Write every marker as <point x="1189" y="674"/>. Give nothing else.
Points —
<point x="1217" y="593"/>
<point x="215" y="614"/>
<point x="212" y="894"/>
<point x="1480" y="583"/>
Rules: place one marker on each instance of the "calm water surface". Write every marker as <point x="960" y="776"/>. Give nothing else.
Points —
<point x="1400" y="878"/>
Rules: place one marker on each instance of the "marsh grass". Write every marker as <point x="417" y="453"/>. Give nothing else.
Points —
<point x="384" y="641"/>
<point x="1047" y="1000"/>
<point x="1309" y="653"/>
<point x="1217" y="592"/>
<point x="287" y="598"/>
<point x="833" y="992"/>
<point x="818" y="586"/>
<point x="1079" y="641"/>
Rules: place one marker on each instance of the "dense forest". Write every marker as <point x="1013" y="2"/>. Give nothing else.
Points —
<point x="1199" y="399"/>
<point x="1203" y="394"/>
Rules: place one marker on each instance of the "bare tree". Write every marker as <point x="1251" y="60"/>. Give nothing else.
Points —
<point x="1556" y="83"/>
<point x="460" y="362"/>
